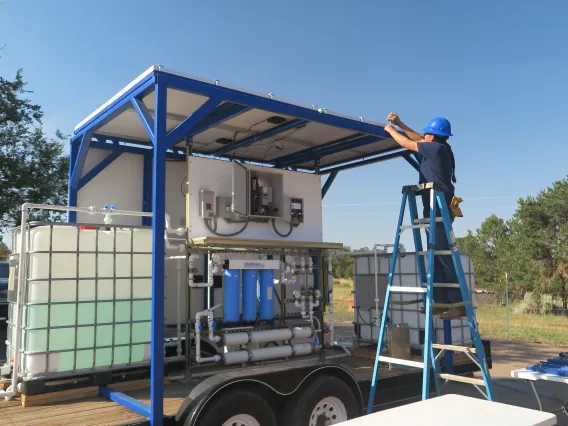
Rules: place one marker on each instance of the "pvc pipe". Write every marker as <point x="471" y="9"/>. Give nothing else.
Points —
<point x="262" y="336"/>
<point x="179" y="308"/>
<point x="178" y="231"/>
<point x="190" y="270"/>
<point x="330" y="294"/>
<point x="198" y="326"/>
<point x="264" y="354"/>
<point x="211" y="266"/>
<point x="376" y="287"/>
<point x="13" y="388"/>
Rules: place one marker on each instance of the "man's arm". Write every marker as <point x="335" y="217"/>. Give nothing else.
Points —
<point x="395" y="119"/>
<point x="402" y="140"/>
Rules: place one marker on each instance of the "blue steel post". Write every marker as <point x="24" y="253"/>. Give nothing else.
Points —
<point x="158" y="253"/>
<point x="385" y="306"/>
<point x="147" y="188"/>
<point x="328" y="183"/>
<point x="72" y="195"/>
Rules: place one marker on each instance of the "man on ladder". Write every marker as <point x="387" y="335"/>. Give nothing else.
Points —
<point x="437" y="164"/>
<point x="443" y="279"/>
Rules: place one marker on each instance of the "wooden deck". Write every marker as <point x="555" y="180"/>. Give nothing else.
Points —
<point x="89" y="411"/>
<point x="94" y="410"/>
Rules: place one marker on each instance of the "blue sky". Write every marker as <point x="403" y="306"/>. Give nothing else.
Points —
<point x="496" y="69"/>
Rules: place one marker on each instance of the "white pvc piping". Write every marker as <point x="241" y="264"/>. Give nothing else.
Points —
<point x="264" y="354"/>
<point x="179" y="286"/>
<point x="25" y="209"/>
<point x="376" y="289"/>
<point x="209" y="282"/>
<point x="209" y="314"/>
<point x="263" y="336"/>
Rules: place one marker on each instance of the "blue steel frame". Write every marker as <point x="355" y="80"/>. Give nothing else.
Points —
<point x="223" y="104"/>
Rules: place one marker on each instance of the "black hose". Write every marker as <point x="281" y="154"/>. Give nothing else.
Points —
<point x="213" y="229"/>
<point x="278" y="232"/>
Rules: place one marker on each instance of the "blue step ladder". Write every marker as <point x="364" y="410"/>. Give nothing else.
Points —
<point x="430" y="357"/>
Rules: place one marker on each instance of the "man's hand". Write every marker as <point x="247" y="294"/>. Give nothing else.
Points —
<point x="390" y="129"/>
<point x="394" y="118"/>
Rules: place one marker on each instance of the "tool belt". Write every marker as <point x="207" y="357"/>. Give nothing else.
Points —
<point x="454" y="206"/>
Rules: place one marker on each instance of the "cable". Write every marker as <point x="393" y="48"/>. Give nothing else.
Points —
<point x="214" y="230"/>
<point x="181" y="186"/>
<point x="278" y="232"/>
<point x="286" y="136"/>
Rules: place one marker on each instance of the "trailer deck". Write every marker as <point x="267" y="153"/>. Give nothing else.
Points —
<point x="88" y="409"/>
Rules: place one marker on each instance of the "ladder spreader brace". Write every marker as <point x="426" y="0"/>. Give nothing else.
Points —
<point x="430" y="358"/>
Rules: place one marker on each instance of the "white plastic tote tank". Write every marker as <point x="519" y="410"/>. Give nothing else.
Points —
<point x="406" y="274"/>
<point x="87" y="298"/>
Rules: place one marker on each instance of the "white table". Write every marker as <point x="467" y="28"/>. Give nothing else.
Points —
<point x="532" y="376"/>
<point x="455" y="410"/>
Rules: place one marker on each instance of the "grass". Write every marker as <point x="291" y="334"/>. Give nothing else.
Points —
<point x="551" y="329"/>
<point x="342" y="292"/>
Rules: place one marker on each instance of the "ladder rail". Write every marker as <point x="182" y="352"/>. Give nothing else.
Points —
<point x="417" y="236"/>
<point x="430" y="286"/>
<point x="371" y="403"/>
<point x="456" y="257"/>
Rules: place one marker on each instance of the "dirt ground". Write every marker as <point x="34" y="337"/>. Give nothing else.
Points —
<point x="512" y="355"/>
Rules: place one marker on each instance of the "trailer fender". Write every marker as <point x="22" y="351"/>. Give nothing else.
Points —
<point x="279" y="380"/>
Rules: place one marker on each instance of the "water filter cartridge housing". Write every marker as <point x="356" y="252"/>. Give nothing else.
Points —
<point x="231" y="293"/>
<point x="249" y="297"/>
<point x="266" y="294"/>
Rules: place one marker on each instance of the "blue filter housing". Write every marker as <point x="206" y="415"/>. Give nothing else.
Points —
<point x="250" y="281"/>
<point x="266" y="294"/>
<point x="231" y="299"/>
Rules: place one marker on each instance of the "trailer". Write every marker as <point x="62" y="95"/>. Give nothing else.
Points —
<point x="193" y="265"/>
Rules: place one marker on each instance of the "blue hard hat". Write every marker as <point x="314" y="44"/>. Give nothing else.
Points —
<point x="439" y="126"/>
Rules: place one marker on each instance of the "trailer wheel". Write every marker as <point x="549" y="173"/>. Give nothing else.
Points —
<point x="238" y="408"/>
<point x="326" y="401"/>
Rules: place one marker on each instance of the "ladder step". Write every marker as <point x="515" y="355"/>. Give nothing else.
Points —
<point x="450" y="305"/>
<point x="453" y="348"/>
<point x="400" y="361"/>
<point x="426" y="220"/>
<point x="462" y="379"/>
<point x="425" y="226"/>
<point x="406" y="302"/>
<point x="398" y="289"/>
<point x="436" y="252"/>
<point x="446" y="285"/>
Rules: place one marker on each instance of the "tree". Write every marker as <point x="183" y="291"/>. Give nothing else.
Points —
<point x="488" y="248"/>
<point x="32" y="166"/>
<point x="532" y="247"/>
<point x="4" y="251"/>
<point x="541" y="224"/>
<point x="343" y="264"/>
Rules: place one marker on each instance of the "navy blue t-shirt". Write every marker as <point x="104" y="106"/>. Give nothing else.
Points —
<point x="435" y="166"/>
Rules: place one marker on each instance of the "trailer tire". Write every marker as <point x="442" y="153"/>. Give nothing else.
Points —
<point x="326" y="398"/>
<point x="237" y="408"/>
